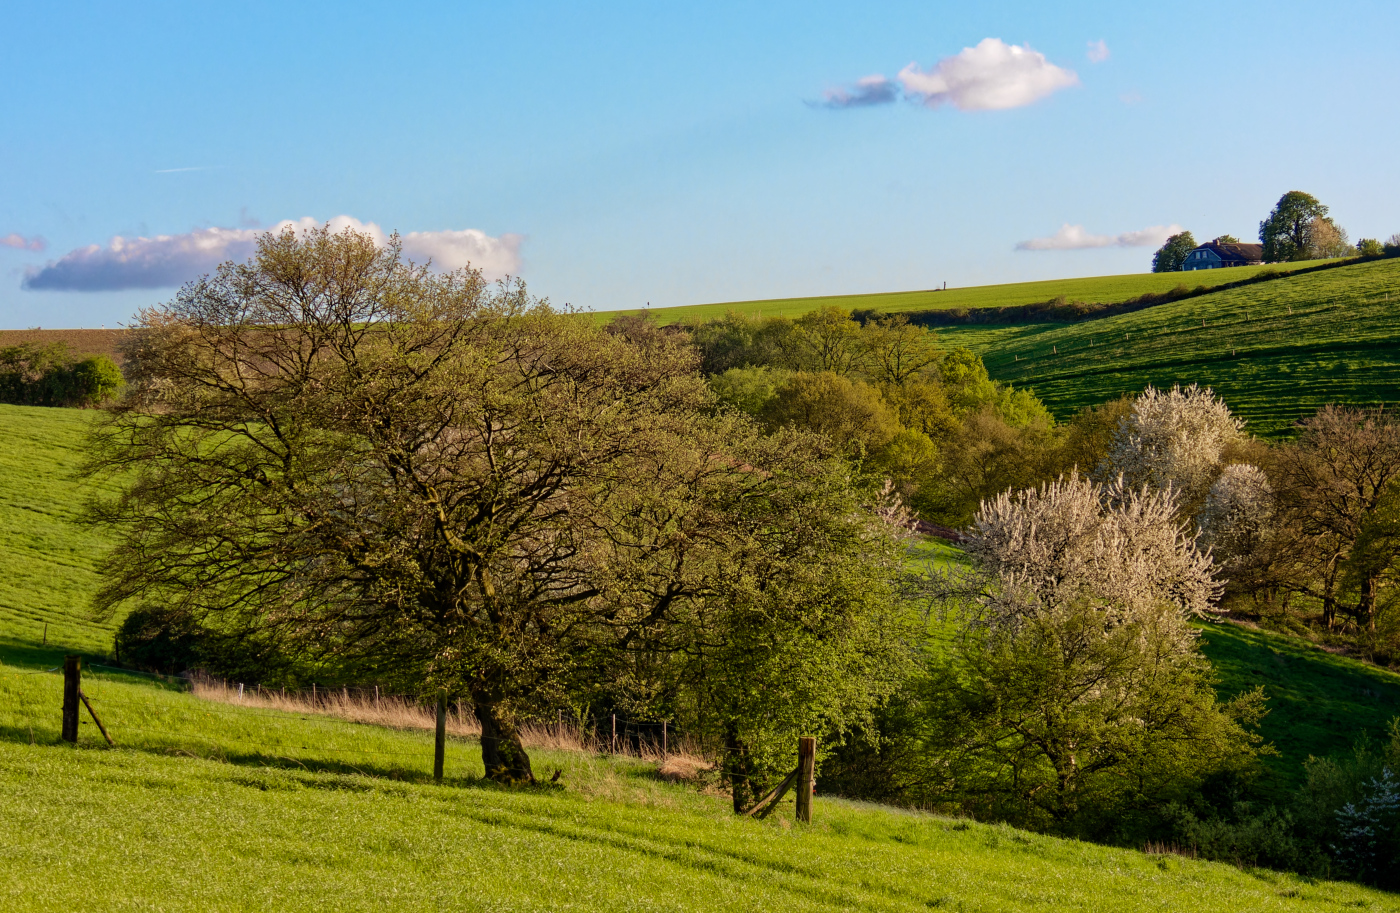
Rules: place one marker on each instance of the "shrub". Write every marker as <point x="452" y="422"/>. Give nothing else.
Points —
<point x="1370" y="247"/>
<point x="50" y="376"/>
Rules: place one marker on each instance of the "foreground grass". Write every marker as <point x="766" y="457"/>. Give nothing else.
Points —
<point x="184" y="815"/>
<point x="1096" y="289"/>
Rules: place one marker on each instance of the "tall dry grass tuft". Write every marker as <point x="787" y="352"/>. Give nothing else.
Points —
<point x="683" y="762"/>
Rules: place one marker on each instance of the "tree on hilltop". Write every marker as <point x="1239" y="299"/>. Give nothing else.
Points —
<point x="1171" y="255"/>
<point x="1287" y="232"/>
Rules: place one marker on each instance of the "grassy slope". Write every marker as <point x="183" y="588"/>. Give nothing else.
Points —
<point x="209" y="807"/>
<point x="47" y="560"/>
<point x="158" y="826"/>
<point x="1275" y="351"/>
<point x="1094" y="289"/>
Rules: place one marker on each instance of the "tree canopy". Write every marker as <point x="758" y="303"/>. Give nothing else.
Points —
<point x="1171" y="255"/>
<point x="462" y="489"/>
<point x="1287" y="232"/>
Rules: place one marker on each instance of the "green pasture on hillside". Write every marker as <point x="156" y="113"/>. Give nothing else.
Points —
<point x="213" y="807"/>
<point x="1276" y="351"/>
<point x="47" y="558"/>
<point x="1095" y="289"/>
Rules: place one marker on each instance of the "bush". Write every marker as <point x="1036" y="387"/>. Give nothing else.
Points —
<point x="50" y="376"/>
<point x="1370" y="247"/>
<point x="171" y="640"/>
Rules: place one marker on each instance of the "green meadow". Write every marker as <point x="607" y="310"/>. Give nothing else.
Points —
<point x="1276" y="351"/>
<point x="1095" y="289"/>
<point x="213" y="806"/>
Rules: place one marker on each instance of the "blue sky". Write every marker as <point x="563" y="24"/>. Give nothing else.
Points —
<point x="619" y="154"/>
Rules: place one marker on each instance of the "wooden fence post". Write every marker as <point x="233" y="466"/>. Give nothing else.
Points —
<point x="806" y="768"/>
<point x="665" y="745"/>
<point x="72" y="680"/>
<point x="440" y="746"/>
<point x="613" y="745"/>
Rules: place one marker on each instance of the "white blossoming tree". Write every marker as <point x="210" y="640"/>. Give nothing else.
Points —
<point x="1174" y="439"/>
<point x="1238" y="522"/>
<point x="1075" y="690"/>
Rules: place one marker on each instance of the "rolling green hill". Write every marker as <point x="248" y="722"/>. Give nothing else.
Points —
<point x="1096" y="289"/>
<point x="217" y="807"/>
<point x="1276" y="351"/>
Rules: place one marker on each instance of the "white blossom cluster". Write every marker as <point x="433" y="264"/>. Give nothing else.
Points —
<point x="1043" y="550"/>
<point x="1361" y="824"/>
<point x="1238" y="513"/>
<point x="1175" y="438"/>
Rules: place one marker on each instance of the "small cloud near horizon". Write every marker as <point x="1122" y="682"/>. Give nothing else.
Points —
<point x="168" y="261"/>
<point x="993" y="76"/>
<point x="1098" y="51"/>
<point x="16" y="241"/>
<point x="1074" y="237"/>
<point x="176" y="170"/>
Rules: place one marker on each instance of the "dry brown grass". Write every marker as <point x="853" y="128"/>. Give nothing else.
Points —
<point x="684" y="762"/>
<point x="82" y="343"/>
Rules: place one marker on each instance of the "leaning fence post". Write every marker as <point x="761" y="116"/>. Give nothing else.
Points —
<point x="806" y="767"/>
<point x="440" y="743"/>
<point x="613" y="746"/>
<point x="72" y="680"/>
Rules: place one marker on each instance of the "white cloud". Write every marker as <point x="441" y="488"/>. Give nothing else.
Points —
<point x="1098" y="51"/>
<point x="868" y="91"/>
<point x="20" y="242"/>
<point x="991" y="76"/>
<point x="1074" y="237"/>
<point x="167" y="261"/>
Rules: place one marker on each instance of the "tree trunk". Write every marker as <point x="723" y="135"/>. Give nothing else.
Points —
<point x="1366" y="607"/>
<point x="501" y="751"/>
<point x="736" y="768"/>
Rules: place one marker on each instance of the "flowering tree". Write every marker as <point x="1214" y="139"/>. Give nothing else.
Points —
<point x="1238" y="520"/>
<point x="1174" y="439"/>
<point x="1075" y="689"/>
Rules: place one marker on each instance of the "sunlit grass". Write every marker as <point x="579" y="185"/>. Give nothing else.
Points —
<point x="214" y="807"/>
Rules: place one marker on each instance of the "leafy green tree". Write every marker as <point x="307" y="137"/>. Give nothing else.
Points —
<point x="851" y="413"/>
<point x="1287" y="232"/>
<point x="895" y="351"/>
<point x="451" y="485"/>
<point x="831" y="341"/>
<point x="1370" y="247"/>
<point x="1227" y="239"/>
<point x="1171" y="255"/>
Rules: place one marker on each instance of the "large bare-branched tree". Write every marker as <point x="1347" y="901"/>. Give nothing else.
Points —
<point x="452" y="482"/>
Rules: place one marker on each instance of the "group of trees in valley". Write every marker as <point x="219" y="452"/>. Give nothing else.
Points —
<point x="332" y="462"/>
<point x="1297" y="228"/>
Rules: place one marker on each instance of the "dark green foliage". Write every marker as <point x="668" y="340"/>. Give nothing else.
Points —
<point x="1287" y="233"/>
<point x="1350" y="806"/>
<point x="1370" y="247"/>
<point x="1171" y="255"/>
<point x="50" y="376"/>
<point x="170" y="639"/>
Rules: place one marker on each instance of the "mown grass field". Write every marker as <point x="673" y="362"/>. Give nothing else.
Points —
<point x="1096" y="289"/>
<point x="210" y="808"/>
<point x="1276" y="351"/>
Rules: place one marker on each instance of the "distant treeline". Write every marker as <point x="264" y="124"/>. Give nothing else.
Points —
<point x="50" y="375"/>
<point x="1065" y="310"/>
